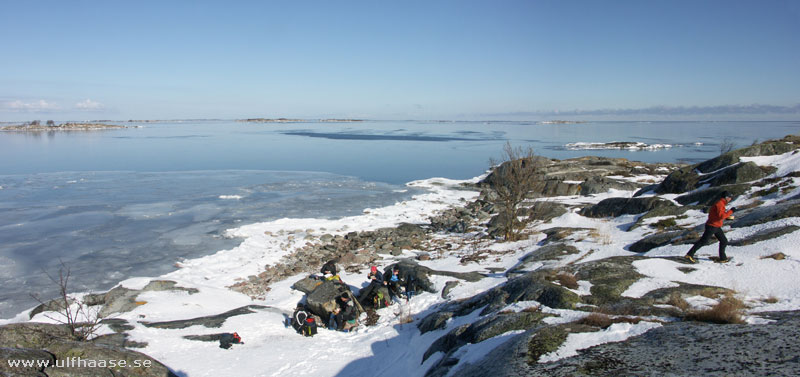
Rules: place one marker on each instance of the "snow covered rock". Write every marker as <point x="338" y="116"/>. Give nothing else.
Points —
<point x="764" y="214"/>
<point x="725" y="169"/>
<point x="598" y="185"/>
<point x="655" y="240"/>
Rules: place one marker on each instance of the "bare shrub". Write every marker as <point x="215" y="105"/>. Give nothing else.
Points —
<point x="676" y="300"/>
<point x="82" y="321"/>
<point x="372" y="317"/>
<point x="512" y="180"/>
<point x="406" y="319"/>
<point x="532" y="309"/>
<point x="726" y="145"/>
<point x="596" y="320"/>
<point x="664" y="223"/>
<point x="567" y="280"/>
<point x="601" y="236"/>
<point x="771" y="300"/>
<point x="604" y="321"/>
<point x="727" y="311"/>
<point x="776" y="256"/>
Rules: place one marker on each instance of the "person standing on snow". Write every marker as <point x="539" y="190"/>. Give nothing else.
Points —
<point x="716" y="215"/>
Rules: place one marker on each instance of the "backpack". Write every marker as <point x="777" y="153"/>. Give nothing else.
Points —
<point x="226" y="340"/>
<point x="299" y="319"/>
<point x="310" y="327"/>
<point x="379" y="301"/>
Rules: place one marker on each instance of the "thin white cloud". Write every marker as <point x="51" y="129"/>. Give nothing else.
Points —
<point x="35" y="106"/>
<point x="89" y="105"/>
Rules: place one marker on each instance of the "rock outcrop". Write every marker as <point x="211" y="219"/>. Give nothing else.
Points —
<point x="613" y="207"/>
<point x="675" y="349"/>
<point x="585" y="175"/>
<point x="725" y="169"/>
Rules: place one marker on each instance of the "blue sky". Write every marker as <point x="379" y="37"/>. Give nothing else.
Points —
<point x="400" y="60"/>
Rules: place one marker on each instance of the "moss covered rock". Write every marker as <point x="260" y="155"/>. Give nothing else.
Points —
<point x="609" y="277"/>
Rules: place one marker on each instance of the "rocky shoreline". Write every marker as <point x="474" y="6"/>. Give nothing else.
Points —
<point x="681" y="346"/>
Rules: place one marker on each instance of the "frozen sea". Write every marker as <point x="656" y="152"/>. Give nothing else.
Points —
<point x="132" y="202"/>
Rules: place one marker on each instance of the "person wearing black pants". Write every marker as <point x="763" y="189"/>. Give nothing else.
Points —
<point x="716" y="215"/>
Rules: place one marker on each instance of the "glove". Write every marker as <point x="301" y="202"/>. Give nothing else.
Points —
<point x="733" y="209"/>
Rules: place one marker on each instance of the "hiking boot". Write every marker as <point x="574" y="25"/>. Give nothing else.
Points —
<point x="726" y="260"/>
<point x="690" y="259"/>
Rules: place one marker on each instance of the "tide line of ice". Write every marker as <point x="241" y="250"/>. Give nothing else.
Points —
<point x="267" y="242"/>
<point x="616" y="145"/>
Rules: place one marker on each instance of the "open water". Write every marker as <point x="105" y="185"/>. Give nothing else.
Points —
<point x="114" y="204"/>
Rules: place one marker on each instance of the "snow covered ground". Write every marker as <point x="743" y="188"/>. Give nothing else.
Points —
<point x="395" y="348"/>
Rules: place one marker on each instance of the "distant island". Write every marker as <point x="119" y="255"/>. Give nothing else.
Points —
<point x="560" y="122"/>
<point x="36" y="126"/>
<point x="289" y="120"/>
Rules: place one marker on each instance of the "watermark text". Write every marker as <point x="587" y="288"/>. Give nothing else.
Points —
<point x="77" y="362"/>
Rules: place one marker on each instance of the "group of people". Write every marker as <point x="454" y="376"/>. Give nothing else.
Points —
<point x="383" y="289"/>
<point x="343" y="318"/>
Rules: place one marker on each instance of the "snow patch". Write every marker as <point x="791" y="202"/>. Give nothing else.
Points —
<point x="614" y="333"/>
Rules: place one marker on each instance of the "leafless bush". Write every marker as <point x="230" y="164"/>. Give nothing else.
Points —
<point x="601" y="236"/>
<point x="512" y="180"/>
<point x="771" y="300"/>
<point x="406" y="319"/>
<point x="727" y="310"/>
<point x="567" y="280"/>
<point x="776" y="256"/>
<point x="726" y="145"/>
<point x="532" y="309"/>
<point x="81" y="320"/>
<point x="372" y="317"/>
<point x="676" y="300"/>
<point x="603" y="321"/>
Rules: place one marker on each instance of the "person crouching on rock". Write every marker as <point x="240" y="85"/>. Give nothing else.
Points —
<point x="375" y="280"/>
<point x="328" y="271"/>
<point x="716" y="215"/>
<point x="344" y="316"/>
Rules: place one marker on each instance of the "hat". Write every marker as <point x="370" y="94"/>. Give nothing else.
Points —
<point x="373" y="269"/>
<point x="725" y="194"/>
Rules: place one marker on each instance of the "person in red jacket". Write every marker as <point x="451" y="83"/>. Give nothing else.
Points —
<point x="716" y="215"/>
